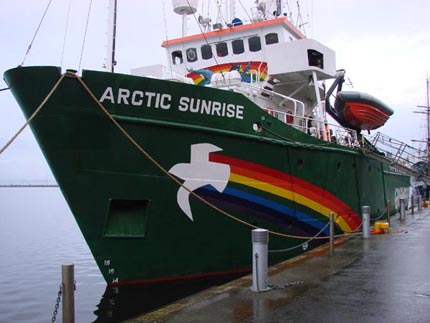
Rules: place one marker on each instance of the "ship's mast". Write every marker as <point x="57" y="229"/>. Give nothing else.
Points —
<point x="185" y="8"/>
<point x="110" y="57"/>
<point x="229" y="10"/>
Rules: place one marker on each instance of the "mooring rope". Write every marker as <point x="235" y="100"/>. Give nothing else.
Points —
<point x="41" y="105"/>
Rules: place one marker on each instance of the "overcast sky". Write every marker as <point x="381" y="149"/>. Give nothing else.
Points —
<point x="384" y="46"/>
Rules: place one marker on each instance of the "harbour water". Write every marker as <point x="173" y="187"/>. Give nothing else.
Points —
<point x="37" y="234"/>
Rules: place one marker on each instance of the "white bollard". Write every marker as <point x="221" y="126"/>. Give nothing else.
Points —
<point x="420" y="203"/>
<point x="260" y="240"/>
<point x="365" y="210"/>
<point x="68" y="284"/>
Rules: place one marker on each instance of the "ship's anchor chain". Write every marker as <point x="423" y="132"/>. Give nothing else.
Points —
<point x="147" y="155"/>
<point x="57" y="305"/>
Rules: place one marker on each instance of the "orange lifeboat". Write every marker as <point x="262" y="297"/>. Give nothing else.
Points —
<point x="361" y="111"/>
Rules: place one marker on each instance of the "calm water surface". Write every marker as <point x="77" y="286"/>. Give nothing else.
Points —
<point x="37" y="235"/>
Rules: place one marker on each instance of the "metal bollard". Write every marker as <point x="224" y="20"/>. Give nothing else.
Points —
<point x="365" y="210"/>
<point x="402" y="209"/>
<point x="412" y="204"/>
<point x="260" y="240"/>
<point x="388" y="213"/>
<point x="420" y="203"/>
<point x="68" y="284"/>
<point x="331" y="233"/>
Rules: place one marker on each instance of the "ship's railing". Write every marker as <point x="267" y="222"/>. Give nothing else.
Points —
<point x="251" y="90"/>
<point x="295" y="116"/>
<point x="334" y="133"/>
<point x="398" y="152"/>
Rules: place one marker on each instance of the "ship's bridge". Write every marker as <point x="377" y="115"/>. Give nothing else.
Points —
<point x="229" y="45"/>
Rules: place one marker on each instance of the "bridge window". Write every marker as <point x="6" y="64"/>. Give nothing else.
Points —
<point x="177" y="57"/>
<point x="315" y="58"/>
<point x="191" y="55"/>
<point x="238" y="47"/>
<point x="221" y="49"/>
<point x="206" y="51"/>
<point x="272" y="38"/>
<point x="254" y="43"/>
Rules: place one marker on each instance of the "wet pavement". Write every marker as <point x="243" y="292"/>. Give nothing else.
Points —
<point x="385" y="278"/>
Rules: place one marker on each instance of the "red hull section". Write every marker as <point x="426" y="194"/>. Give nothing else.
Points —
<point x="364" y="116"/>
<point x="361" y="111"/>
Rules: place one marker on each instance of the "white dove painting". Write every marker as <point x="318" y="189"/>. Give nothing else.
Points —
<point x="199" y="172"/>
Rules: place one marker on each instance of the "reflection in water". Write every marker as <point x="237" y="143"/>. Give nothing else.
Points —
<point x="120" y="303"/>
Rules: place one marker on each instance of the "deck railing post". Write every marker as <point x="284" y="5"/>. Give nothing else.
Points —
<point x="365" y="211"/>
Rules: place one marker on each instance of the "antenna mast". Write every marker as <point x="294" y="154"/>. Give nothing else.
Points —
<point x="185" y="8"/>
<point x="110" y="57"/>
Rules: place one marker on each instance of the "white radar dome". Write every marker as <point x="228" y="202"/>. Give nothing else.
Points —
<point x="185" y="7"/>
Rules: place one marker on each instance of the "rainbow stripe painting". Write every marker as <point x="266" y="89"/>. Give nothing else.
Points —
<point x="288" y="201"/>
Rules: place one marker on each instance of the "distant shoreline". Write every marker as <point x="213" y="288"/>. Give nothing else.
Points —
<point x="27" y="185"/>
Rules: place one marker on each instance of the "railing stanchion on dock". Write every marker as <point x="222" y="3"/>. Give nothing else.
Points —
<point x="365" y="210"/>
<point x="68" y="283"/>
<point x="331" y="233"/>
<point x="260" y="240"/>
<point x="402" y="209"/>
<point x="420" y="203"/>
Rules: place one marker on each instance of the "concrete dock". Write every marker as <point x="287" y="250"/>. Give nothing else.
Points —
<point x="385" y="278"/>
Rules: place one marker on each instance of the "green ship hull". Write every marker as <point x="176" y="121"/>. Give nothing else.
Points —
<point x="246" y="169"/>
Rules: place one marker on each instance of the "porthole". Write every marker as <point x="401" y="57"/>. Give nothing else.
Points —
<point x="177" y="57"/>
<point x="206" y="51"/>
<point x="271" y="38"/>
<point x="238" y="47"/>
<point x="300" y="163"/>
<point x="221" y="49"/>
<point x="338" y="165"/>
<point x="254" y="44"/>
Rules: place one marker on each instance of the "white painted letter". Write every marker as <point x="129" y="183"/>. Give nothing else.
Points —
<point x="108" y="95"/>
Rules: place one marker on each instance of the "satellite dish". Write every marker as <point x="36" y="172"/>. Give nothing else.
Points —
<point x="185" y="7"/>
